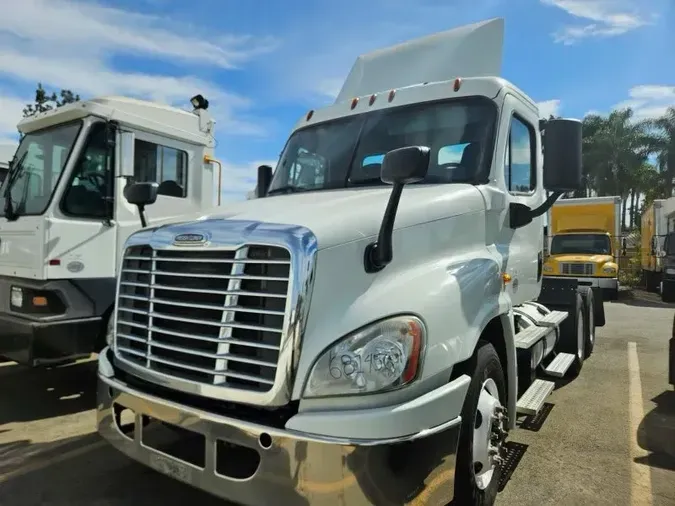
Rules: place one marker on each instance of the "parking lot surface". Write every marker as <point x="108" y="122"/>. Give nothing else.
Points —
<point x="608" y="437"/>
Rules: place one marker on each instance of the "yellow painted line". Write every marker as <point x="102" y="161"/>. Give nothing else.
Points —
<point x="45" y="462"/>
<point x="641" y="478"/>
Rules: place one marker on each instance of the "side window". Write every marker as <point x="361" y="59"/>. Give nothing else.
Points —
<point x="520" y="162"/>
<point x="163" y="165"/>
<point x="88" y="194"/>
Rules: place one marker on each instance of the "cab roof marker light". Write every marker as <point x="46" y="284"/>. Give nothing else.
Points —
<point x="355" y="101"/>
<point x="309" y="115"/>
<point x="372" y="99"/>
<point x="458" y="84"/>
<point x="392" y="94"/>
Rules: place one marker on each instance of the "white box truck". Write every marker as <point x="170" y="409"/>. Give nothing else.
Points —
<point x="63" y="217"/>
<point x="368" y="328"/>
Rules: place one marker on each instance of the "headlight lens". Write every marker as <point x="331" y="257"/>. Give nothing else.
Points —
<point x="670" y="271"/>
<point x="548" y="268"/>
<point x="16" y="297"/>
<point x="382" y="356"/>
<point x="609" y="269"/>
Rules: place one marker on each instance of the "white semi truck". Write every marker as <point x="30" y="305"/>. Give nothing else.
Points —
<point x="63" y="219"/>
<point x="367" y="329"/>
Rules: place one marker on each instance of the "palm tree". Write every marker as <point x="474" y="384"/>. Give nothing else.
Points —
<point x="665" y="147"/>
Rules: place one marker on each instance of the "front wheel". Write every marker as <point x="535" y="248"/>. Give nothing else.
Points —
<point x="483" y="430"/>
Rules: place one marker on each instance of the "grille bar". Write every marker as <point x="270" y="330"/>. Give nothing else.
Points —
<point x="203" y="315"/>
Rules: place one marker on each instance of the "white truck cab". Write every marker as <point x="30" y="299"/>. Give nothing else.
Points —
<point x="63" y="217"/>
<point x="367" y="329"/>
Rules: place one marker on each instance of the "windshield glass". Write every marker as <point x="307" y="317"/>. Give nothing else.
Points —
<point x="39" y="160"/>
<point x="581" y="244"/>
<point x="349" y="151"/>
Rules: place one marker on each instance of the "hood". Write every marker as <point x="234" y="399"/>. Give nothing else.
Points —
<point x="345" y="215"/>
<point x="596" y="259"/>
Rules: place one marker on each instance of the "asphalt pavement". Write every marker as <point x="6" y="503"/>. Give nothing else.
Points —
<point x="608" y="437"/>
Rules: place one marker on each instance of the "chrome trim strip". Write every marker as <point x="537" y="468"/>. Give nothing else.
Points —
<point x="253" y="427"/>
<point x="231" y="235"/>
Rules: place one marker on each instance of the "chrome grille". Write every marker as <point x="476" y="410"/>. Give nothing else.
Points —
<point x="208" y="316"/>
<point x="577" y="268"/>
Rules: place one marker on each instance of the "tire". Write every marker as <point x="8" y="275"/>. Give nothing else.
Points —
<point x="668" y="291"/>
<point x="572" y="335"/>
<point x="589" y="320"/>
<point x="486" y="373"/>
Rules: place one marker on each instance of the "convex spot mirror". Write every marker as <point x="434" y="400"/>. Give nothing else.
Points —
<point x="562" y="155"/>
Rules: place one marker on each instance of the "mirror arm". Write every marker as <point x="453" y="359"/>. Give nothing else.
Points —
<point x="520" y="214"/>
<point x="141" y="213"/>
<point x="380" y="253"/>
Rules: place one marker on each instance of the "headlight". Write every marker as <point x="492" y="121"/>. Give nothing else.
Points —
<point x="609" y="269"/>
<point x="548" y="268"/>
<point x="16" y="296"/>
<point x="670" y="271"/>
<point x="382" y="356"/>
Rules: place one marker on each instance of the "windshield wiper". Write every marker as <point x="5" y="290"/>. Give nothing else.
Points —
<point x="15" y="171"/>
<point x="289" y="188"/>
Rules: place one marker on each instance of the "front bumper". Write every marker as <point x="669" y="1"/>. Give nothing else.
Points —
<point x="604" y="283"/>
<point x="258" y="465"/>
<point x="31" y="342"/>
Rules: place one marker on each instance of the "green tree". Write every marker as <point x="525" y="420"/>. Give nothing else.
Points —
<point x="665" y="148"/>
<point x="45" y="101"/>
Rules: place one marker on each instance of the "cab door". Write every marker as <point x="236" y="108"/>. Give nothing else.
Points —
<point x="81" y="236"/>
<point x="519" y="157"/>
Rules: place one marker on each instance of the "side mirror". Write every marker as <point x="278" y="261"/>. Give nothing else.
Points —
<point x="562" y="155"/>
<point x="405" y="165"/>
<point x="125" y="154"/>
<point x="400" y="167"/>
<point x="141" y="195"/>
<point x="264" y="180"/>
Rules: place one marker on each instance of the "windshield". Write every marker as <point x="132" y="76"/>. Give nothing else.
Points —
<point x="581" y="244"/>
<point x="39" y="161"/>
<point x="349" y="151"/>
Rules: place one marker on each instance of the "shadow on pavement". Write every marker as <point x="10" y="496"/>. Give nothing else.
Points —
<point x="642" y="298"/>
<point x="85" y="471"/>
<point x="34" y="394"/>
<point x="656" y="433"/>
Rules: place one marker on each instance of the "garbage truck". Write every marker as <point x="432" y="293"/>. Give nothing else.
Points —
<point x="63" y="217"/>
<point x="586" y="242"/>
<point x="369" y="328"/>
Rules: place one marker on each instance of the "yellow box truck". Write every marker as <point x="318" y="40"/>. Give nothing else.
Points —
<point x="585" y="242"/>
<point x="656" y="221"/>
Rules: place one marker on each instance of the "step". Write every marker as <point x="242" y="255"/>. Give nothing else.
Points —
<point x="535" y="396"/>
<point x="560" y="365"/>
<point x="530" y="336"/>
<point x="553" y="319"/>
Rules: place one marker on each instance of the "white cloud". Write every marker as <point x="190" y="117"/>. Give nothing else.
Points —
<point x="600" y="18"/>
<point x="240" y="179"/>
<point x="649" y="101"/>
<point x="548" y="108"/>
<point x="71" y="44"/>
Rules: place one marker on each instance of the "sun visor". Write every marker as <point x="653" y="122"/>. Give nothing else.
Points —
<point x="467" y="51"/>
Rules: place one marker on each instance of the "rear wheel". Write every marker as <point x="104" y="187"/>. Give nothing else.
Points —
<point x="573" y="334"/>
<point x="668" y="291"/>
<point x="483" y="430"/>
<point x="589" y="320"/>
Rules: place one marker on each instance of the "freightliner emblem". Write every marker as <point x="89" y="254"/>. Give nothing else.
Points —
<point x="189" y="239"/>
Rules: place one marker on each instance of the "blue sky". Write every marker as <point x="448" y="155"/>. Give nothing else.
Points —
<point x="264" y="64"/>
